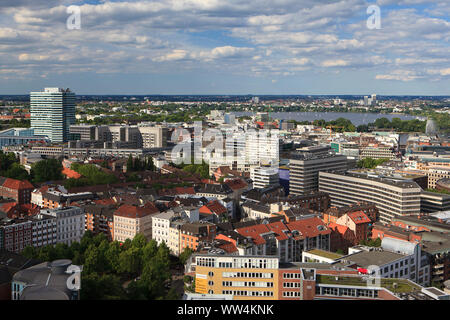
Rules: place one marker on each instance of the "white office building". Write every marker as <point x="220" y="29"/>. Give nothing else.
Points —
<point x="264" y="177"/>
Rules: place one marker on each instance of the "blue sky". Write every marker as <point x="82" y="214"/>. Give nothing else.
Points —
<point x="226" y="47"/>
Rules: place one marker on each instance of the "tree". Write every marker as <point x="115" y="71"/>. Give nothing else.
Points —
<point x="139" y="241"/>
<point x="29" y="252"/>
<point x="130" y="261"/>
<point x="17" y="171"/>
<point x="184" y="256"/>
<point x="62" y="251"/>
<point x="149" y="251"/>
<point x="172" y="295"/>
<point x="112" y="256"/>
<point x="47" y="170"/>
<point x="130" y="164"/>
<point x="92" y="260"/>
<point x="104" y="287"/>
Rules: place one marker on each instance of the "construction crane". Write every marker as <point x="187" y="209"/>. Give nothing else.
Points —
<point x="331" y="129"/>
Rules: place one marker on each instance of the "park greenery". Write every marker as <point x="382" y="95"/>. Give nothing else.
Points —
<point x="47" y="170"/>
<point x="11" y="168"/>
<point x="370" y="163"/>
<point x="136" y="269"/>
<point x="91" y="176"/>
<point x="200" y="169"/>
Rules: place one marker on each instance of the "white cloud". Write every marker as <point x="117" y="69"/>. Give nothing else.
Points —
<point x="334" y="63"/>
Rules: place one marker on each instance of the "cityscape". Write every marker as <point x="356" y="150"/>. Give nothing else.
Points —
<point x="191" y="195"/>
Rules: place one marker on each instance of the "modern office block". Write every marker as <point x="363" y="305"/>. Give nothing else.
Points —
<point x="52" y="113"/>
<point x="305" y="167"/>
<point x="392" y="198"/>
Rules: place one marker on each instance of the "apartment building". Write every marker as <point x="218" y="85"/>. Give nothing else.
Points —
<point x="391" y="197"/>
<point x="153" y="137"/>
<point x="100" y="219"/>
<point x="349" y="230"/>
<point x="44" y="230"/>
<point x="192" y="233"/>
<point x="130" y="220"/>
<point x="16" y="234"/>
<point x="161" y="227"/>
<point x="334" y="213"/>
<point x="285" y="240"/>
<point x="70" y="223"/>
<point x="53" y="198"/>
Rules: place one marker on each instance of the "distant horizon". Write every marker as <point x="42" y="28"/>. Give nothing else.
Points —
<point x="234" y="95"/>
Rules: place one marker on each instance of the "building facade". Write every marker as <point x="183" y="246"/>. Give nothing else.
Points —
<point x="392" y="198"/>
<point x="52" y="113"/>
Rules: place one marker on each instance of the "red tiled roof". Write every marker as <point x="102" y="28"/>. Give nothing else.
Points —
<point x="254" y="232"/>
<point x="236" y="184"/>
<point x="308" y="228"/>
<point x="185" y="190"/>
<point x="226" y="238"/>
<point x="105" y="201"/>
<point x="359" y="217"/>
<point x="17" y="184"/>
<point x="338" y="228"/>
<point x="213" y="207"/>
<point x="69" y="173"/>
<point x="5" y="207"/>
<point x="228" y="247"/>
<point x="130" y="211"/>
<point x="13" y="209"/>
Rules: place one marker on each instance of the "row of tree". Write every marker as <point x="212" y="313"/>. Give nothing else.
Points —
<point x="138" y="164"/>
<point x="345" y="125"/>
<point x="135" y="269"/>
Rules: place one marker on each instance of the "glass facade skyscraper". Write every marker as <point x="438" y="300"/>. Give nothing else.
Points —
<point x="52" y="113"/>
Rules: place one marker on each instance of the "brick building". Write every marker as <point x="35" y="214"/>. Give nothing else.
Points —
<point x="18" y="190"/>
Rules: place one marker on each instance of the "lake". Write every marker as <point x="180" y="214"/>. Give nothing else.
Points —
<point x="356" y="118"/>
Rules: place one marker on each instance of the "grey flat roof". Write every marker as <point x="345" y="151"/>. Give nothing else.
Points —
<point x="315" y="265"/>
<point x="379" y="258"/>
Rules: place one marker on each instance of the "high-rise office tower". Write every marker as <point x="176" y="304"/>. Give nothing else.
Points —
<point x="52" y="113"/>
<point x="305" y="165"/>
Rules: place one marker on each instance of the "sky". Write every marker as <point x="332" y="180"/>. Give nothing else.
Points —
<point x="226" y="47"/>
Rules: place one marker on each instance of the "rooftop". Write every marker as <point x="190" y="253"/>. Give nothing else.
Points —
<point x="379" y="258"/>
<point x="402" y="285"/>
<point x="325" y="254"/>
